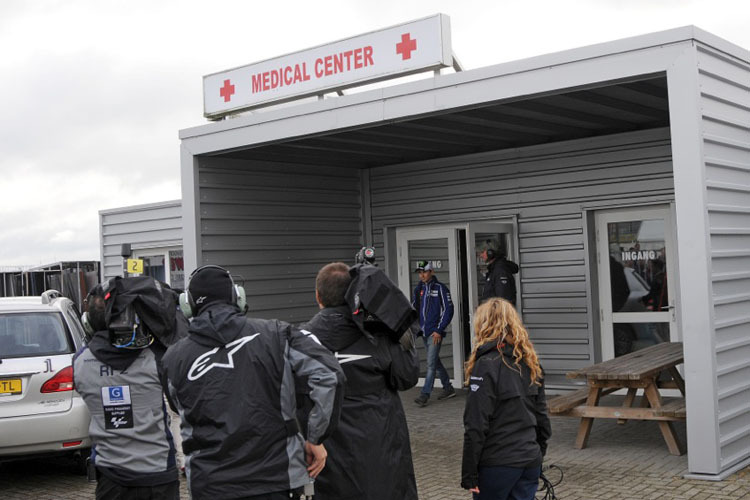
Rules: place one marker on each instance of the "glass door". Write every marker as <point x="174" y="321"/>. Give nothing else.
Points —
<point x="635" y="259"/>
<point x="438" y="247"/>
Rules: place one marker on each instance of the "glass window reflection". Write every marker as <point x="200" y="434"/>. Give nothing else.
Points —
<point x="637" y="261"/>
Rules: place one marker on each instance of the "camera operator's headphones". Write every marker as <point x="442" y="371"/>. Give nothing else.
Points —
<point x="99" y="290"/>
<point x="187" y="304"/>
<point x="87" y="326"/>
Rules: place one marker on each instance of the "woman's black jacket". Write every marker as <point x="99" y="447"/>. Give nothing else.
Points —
<point x="505" y="420"/>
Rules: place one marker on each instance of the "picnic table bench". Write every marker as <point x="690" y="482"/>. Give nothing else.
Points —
<point x="639" y="370"/>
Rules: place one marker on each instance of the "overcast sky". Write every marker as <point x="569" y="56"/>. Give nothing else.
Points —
<point x="95" y="91"/>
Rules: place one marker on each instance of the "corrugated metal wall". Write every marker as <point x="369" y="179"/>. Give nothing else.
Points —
<point x="725" y="103"/>
<point x="548" y="187"/>
<point x="275" y="226"/>
<point x="143" y="226"/>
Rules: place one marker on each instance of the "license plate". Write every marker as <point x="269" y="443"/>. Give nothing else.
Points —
<point x="10" y="386"/>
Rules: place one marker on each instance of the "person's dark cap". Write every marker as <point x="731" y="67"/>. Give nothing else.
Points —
<point x="210" y="284"/>
<point x="423" y="265"/>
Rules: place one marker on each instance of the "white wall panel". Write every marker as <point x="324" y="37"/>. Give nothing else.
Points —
<point x="725" y="107"/>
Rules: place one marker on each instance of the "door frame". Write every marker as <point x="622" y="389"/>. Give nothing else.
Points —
<point x="508" y="226"/>
<point x="406" y="234"/>
<point x="607" y="316"/>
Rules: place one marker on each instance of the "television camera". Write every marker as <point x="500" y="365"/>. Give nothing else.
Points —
<point x="378" y="306"/>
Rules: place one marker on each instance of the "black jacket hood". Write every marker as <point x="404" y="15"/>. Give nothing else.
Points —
<point x="505" y="348"/>
<point x="341" y="329"/>
<point x="218" y="325"/>
<point x="507" y="265"/>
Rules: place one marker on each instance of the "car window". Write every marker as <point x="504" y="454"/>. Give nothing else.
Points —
<point x="33" y="334"/>
<point x="75" y="322"/>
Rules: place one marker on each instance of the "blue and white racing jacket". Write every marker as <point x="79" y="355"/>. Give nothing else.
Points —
<point x="433" y="301"/>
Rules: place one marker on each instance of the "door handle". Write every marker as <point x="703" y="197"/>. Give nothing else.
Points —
<point x="671" y="308"/>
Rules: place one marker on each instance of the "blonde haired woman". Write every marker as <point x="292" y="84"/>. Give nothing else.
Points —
<point x="506" y="426"/>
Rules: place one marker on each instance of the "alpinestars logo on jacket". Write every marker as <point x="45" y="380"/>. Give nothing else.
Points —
<point x="200" y="366"/>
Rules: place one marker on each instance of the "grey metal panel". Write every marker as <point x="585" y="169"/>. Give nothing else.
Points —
<point x="546" y="186"/>
<point x="139" y="214"/>
<point x="151" y="238"/>
<point x="143" y="226"/>
<point x="725" y="107"/>
<point x="274" y="226"/>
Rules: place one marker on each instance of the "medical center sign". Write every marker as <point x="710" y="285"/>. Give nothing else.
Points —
<point x="397" y="51"/>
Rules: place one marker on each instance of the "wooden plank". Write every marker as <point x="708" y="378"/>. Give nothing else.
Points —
<point x="635" y="365"/>
<point x="667" y="431"/>
<point x="666" y="384"/>
<point x="677" y="378"/>
<point x="618" y="412"/>
<point x="620" y="384"/>
<point x="565" y="402"/>
<point x="674" y="408"/>
<point x="584" y="428"/>
<point x="628" y="403"/>
<point x="648" y="363"/>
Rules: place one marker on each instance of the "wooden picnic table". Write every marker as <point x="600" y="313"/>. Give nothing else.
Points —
<point x="642" y="370"/>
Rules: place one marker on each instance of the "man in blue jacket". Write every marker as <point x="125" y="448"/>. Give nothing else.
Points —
<point x="432" y="300"/>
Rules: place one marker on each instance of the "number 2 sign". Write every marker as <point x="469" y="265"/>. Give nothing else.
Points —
<point x="135" y="266"/>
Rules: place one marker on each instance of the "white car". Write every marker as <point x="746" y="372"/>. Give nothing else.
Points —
<point x="40" y="412"/>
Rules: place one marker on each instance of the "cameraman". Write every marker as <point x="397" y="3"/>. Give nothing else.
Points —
<point x="117" y="376"/>
<point x="369" y="455"/>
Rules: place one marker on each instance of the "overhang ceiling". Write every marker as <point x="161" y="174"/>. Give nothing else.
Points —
<point x="576" y="114"/>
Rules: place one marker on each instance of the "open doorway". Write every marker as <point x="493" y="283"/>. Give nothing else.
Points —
<point x="454" y="253"/>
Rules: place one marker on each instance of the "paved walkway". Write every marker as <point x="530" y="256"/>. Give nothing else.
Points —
<point x="621" y="462"/>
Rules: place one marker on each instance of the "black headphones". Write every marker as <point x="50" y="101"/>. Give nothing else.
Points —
<point x="100" y="289"/>
<point x="188" y="305"/>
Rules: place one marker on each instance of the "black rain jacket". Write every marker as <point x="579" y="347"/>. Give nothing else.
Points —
<point x="499" y="280"/>
<point x="369" y="455"/>
<point x="505" y="420"/>
<point x="232" y="380"/>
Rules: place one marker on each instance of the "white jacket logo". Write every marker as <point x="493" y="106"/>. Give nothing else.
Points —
<point x="201" y="364"/>
<point x="118" y="421"/>
<point x="346" y="358"/>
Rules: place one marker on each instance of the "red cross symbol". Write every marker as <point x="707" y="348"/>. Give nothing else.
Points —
<point x="226" y="91"/>
<point x="406" y="46"/>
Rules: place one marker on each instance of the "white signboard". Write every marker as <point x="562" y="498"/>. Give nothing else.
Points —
<point x="397" y="51"/>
